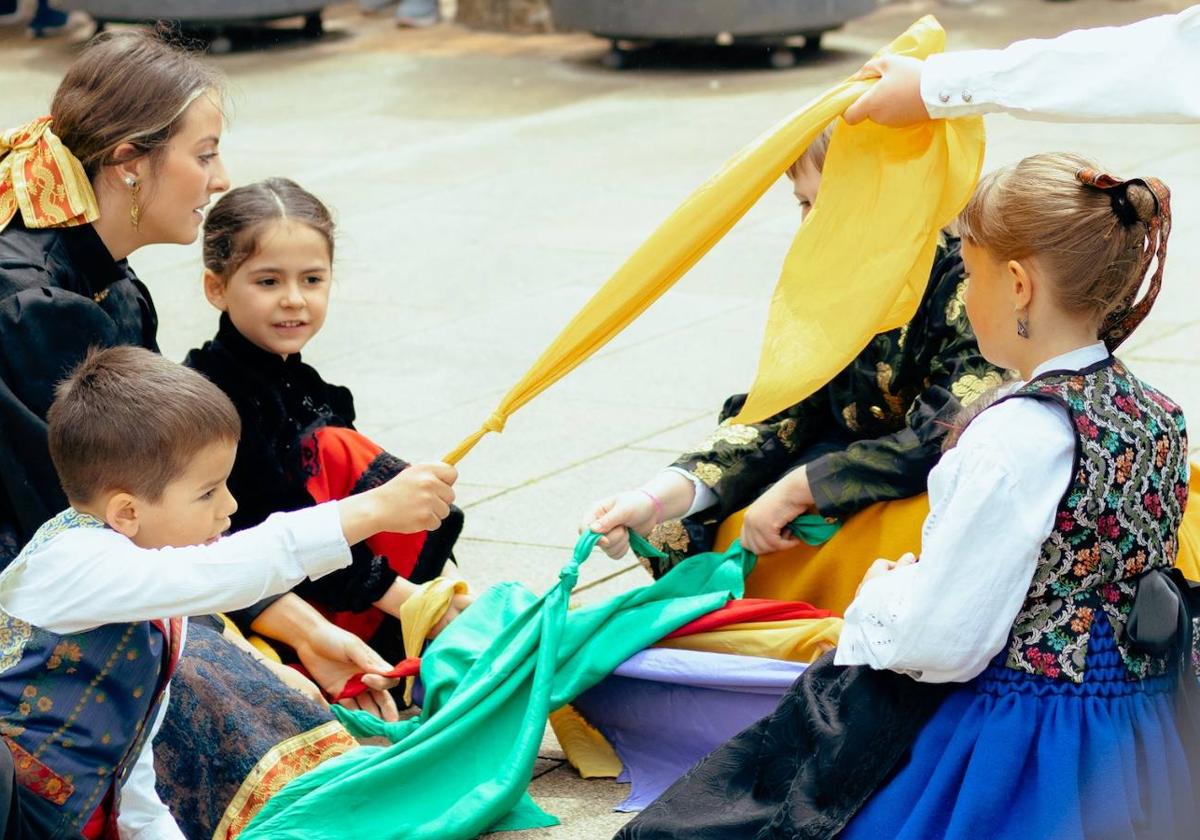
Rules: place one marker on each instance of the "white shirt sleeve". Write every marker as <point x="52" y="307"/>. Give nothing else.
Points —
<point x="87" y="577"/>
<point x="704" y="497"/>
<point x="992" y="504"/>
<point x="142" y="814"/>
<point x="1144" y="72"/>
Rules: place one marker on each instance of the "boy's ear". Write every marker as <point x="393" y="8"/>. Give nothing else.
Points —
<point x="214" y="290"/>
<point x="121" y="514"/>
<point x="1022" y="283"/>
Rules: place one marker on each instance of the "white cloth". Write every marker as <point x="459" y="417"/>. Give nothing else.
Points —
<point x="87" y="577"/>
<point x="1144" y="72"/>
<point x="992" y="500"/>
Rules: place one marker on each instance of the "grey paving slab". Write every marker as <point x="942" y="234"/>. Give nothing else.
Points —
<point x="488" y="562"/>
<point x="549" y="511"/>
<point x="629" y="575"/>
<point x="681" y="438"/>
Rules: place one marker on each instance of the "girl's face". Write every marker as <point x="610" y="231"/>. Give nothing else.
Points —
<point x="277" y="299"/>
<point x="990" y="305"/>
<point x="180" y="182"/>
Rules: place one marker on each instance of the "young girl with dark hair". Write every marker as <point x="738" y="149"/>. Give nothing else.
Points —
<point x="268" y="257"/>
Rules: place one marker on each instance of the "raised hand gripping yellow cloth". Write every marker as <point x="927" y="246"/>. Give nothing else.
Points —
<point x="42" y="179"/>
<point x="857" y="267"/>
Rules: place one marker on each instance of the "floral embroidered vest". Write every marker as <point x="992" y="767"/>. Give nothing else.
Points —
<point x="75" y="709"/>
<point x="1119" y="518"/>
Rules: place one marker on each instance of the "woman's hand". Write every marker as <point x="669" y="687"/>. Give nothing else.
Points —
<point x="896" y="98"/>
<point x="289" y="676"/>
<point x="765" y="526"/>
<point x="333" y="655"/>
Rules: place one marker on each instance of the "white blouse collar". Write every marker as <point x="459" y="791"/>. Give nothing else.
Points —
<point x="1076" y="359"/>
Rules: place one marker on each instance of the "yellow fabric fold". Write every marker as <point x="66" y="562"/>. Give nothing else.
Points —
<point x="41" y="179"/>
<point x="1188" y="560"/>
<point x="795" y="640"/>
<point x="861" y="260"/>
<point x="828" y="575"/>
<point x="942" y="161"/>
<point x="418" y="615"/>
<point x="585" y="748"/>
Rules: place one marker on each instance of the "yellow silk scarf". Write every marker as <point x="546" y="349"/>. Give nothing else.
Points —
<point x="424" y="609"/>
<point x="857" y="267"/>
<point x="42" y="179"/>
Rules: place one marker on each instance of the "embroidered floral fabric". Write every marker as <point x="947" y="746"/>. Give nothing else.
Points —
<point x="1119" y="518"/>
<point x="872" y="434"/>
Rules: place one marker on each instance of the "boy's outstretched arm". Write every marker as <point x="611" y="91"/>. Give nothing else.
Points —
<point x="87" y="577"/>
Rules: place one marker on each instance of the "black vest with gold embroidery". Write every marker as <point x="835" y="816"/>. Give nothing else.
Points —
<point x="1118" y="519"/>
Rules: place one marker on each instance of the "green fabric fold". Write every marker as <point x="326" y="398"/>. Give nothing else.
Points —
<point x="492" y="677"/>
<point x="814" y="529"/>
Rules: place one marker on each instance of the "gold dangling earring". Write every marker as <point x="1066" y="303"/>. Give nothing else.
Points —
<point x="135" y="210"/>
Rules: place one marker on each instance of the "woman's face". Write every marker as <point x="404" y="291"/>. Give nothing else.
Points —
<point x="182" y="180"/>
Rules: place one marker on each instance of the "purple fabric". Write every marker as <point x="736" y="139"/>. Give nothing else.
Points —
<point x="663" y="710"/>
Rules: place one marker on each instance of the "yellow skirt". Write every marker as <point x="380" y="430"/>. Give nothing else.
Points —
<point x="828" y="575"/>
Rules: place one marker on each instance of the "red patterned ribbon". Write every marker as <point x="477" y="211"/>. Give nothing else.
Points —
<point x="40" y="178"/>
<point x="355" y="686"/>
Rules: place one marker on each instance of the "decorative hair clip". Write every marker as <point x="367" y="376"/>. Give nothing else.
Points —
<point x="1125" y="318"/>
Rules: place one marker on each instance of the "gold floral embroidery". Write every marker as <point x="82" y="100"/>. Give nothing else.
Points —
<point x="957" y="305"/>
<point x="969" y="387"/>
<point x="669" y="536"/>
<point x="285" y="761"/>
<point x="883" y="378"/>
<point x="710" y="474"/>
<point x="850" y="417"/>
<point x="903" y="337"/>
<point x="14" y="635"/>
<point x="735" y="434"/>
<point x="787" y="433"/>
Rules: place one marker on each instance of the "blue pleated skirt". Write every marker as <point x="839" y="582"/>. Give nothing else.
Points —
<point x="1015" y="755"/>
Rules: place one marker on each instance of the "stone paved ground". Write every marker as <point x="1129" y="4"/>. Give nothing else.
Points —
<point x="486" y="184"/>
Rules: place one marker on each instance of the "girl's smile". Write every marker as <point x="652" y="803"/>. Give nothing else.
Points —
<point x="278" y="297"/>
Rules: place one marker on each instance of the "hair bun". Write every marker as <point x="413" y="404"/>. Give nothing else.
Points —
<point x="1139" y="202"/>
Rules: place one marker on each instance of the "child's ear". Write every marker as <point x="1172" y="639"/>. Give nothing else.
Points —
<point x="1022" y="283"/>
<point x="121" y="514"/>
<point x="214" y="290"/>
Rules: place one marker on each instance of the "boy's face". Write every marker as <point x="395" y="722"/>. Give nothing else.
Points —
<point x="805" y="185"/>
<point x="195" y="507"/>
